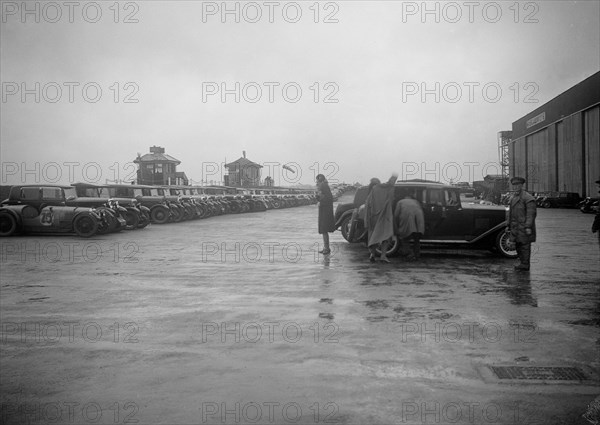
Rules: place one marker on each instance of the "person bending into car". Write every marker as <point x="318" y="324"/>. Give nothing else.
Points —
<point x="521" y="222"/>
<point x="410" y="224"/>
<point x="379" y="220"/>
<point x="326" y="220"/>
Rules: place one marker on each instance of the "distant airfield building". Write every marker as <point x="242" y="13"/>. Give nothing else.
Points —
<point x="243" y="173"/>
<point x="158" y="168"/>
<point x="556" y="147"/>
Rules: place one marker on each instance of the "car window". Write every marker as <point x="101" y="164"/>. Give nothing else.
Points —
<point x="146" y="192"/>
<point x="52" y="193"/>
<point x="123" y="192"/>
<point x="451" y="198"/>
<point x="361" y="195"/>
<point x="161" y="192"/>
<point x="71" y="192"/>
<point x="436" y="197"/>
<point x="30" y="193"/>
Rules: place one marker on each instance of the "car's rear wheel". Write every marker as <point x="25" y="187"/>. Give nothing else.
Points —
<point x="505" y="246"/>
<point x="546" y="204"/>
<point x="392" y="248"/>
<point x="85" y="225"/>
<point x="8" y="224"/>
<point x="345" y="227"/>
<point x="356" y="229"/>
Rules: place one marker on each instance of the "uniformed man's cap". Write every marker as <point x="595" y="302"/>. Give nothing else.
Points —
<point x="517" y="180"/>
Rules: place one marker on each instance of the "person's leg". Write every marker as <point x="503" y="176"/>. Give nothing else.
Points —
<point x="522" y="256"/>
<point x="326" y="249"/>
<point x="526" y="250"/>
<point x="373" y="252"/>
<point x="417" y="246"/>
<point x="326" y="241"/>
<point x="384" y="247"/>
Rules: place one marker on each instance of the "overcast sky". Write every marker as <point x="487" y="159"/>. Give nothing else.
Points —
<point x="366" y="67"/>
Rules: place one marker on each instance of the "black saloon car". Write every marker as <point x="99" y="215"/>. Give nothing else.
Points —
<point x="448" y="222"/>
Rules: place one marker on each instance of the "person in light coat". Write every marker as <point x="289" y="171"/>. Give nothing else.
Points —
<point x="410" y="224"/>
<point x="521" y="222"/>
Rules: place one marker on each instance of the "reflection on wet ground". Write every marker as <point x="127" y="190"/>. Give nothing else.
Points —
<point x="207" y="302"/>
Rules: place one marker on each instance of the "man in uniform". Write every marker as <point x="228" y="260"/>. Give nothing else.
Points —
<point x="596" y="224"/>
<point x="521" y="222"/>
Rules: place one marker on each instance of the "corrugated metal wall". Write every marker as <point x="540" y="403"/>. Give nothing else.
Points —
<point x="518" y="158"/>
<point x="555" y="158"/>
<point x="570" y="155"/>
<point x="592" y="149"/>
<point x="541" y="161"/>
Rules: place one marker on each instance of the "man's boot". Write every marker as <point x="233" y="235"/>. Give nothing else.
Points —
<point x="417" y="246"/>
<point x="524" y="252"/>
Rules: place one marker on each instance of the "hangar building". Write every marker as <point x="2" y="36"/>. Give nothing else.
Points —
<point x="556" y="147"/>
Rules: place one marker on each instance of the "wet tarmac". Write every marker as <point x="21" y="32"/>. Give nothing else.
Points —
<point x="238" y="319"/>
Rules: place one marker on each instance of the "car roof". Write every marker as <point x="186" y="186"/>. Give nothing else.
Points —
<point x="420" y="183"/>
<point x="40" y="185"/>
<point x="79" y="184"/>
<point x="135" y="186"/>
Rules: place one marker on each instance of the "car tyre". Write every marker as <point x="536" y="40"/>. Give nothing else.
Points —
<point x="8" y="224"/>
<point x="132" y="219"/>
<point x="345" y="227"/>
<point x="159" y="215"/>
<point x="176" y="214"/>
<point x="504" y="245"/>
<point x="85" y="225"/>
<point x="110" y="225"/>
<point x="546" y="204"/>
<point x="144" y="220"/>
<point x="392" y="249"/>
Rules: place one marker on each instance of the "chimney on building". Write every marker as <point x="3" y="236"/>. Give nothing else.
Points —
<point x="244" y="153"/>
<point x="157" y="149"/>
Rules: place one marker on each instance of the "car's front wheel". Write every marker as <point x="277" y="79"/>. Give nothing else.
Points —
<point x="504" y="245"/>
<point x="132" y="219"/>
<point x="144" y="220"/>
<point x="159" y="215"/>
<point x="8" y="224"/>
<point x="85" y="225"/>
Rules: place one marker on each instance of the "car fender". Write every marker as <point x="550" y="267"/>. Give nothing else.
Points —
<point x="490" y="232"/>
<point x="144" y="209"/>
<point x="342" y="217"/>
<point x="15" y="211"/>
<point x="89" y="212"/>
<point x="163" y="206"/>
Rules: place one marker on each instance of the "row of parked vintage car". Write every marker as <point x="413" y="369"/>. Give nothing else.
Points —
<point x="87" y="209"/>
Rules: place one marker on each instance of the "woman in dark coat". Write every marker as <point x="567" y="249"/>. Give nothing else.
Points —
<point x="326" y="220"/>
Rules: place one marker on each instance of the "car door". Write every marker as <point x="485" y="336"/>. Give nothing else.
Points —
<point x="444" y="217"/>
<point x="457" y="222"/>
